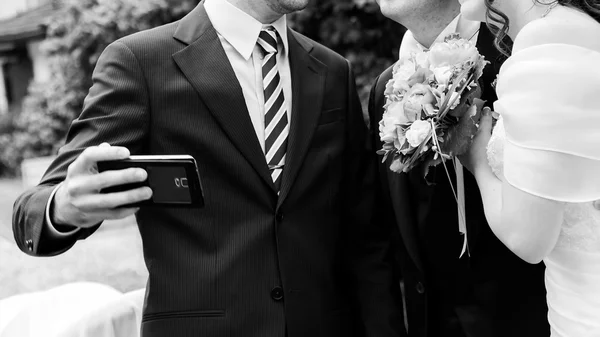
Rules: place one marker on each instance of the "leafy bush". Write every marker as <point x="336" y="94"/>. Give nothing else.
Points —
<point x="7" y="127"/>
<point x="76" y="37"/>
<point x="74" y="40"/>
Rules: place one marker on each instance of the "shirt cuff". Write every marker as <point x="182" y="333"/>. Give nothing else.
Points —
<point x="49" y="225"/>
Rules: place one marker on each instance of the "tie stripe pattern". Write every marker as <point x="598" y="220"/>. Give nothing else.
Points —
<point x="276" y="119"/>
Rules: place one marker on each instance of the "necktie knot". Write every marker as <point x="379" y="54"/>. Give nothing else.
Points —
<point x="267" y="40"/>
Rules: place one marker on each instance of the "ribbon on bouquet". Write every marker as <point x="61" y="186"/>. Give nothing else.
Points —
<point x="460" y="201"/>
<point x="459" y="196"/>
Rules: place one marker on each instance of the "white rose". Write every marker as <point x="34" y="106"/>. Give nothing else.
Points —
<point x="442" y="74"/>
<point x="387" y="130"/>
<point x="400" y="117"/>
<point x="404" y="70"/>
<point x="422" y="59"/>
<point x="418" y="132"/>
<point x="452" y="52"/>
<point x="399" y="87"/>
<point x="391" y="133"/>
<point x="393" y="116"/>
<point x="399" y="142"/>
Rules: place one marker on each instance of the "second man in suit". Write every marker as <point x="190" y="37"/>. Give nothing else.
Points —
<point x="491" y="292"/>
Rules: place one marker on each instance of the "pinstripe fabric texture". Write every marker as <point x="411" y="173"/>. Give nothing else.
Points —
<point x="276" y="118"/>
<point x="250" y="263"/>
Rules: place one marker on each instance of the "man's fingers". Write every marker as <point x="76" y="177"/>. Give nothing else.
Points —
<point x="597" y="204"/>
<point x="90" y="156"/>
<point x="108" y="201"/>
<point x="87" y="160"/>
<point x="118" y="177"/>
<point x="94" y="183"/>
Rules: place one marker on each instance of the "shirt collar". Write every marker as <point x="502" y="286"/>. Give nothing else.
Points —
<point x="239" y="28"/>
<point x="467" y="29"/>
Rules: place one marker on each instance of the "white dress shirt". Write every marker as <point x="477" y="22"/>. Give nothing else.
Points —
<point x="238" y="33"/>
<point x="467" y="29"/>
<point x="51" y="230"/>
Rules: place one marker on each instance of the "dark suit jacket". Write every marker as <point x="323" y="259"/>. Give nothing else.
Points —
<point x="250" y="263"/>
<point x="492" y="293"/>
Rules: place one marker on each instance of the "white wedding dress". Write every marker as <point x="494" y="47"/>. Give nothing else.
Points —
<point x="573" y="267"/>
<point x="547" y="142"/>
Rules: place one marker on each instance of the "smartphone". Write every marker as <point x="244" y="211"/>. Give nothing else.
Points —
<point x="174" y="180"/>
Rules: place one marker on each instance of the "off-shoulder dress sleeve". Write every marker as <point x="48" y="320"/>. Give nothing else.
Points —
<point x="549" y="98"/>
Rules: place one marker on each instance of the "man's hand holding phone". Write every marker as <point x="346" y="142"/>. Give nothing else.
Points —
<point x="78" y="201"/>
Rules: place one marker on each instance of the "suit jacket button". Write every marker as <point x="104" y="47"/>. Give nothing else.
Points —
<point x="277" y="293"/>
<point x="29" y="244"/>
<point x="279" y="216"/>
<point x="420" y="288"/>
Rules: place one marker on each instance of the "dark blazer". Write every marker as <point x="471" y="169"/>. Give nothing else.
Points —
<point x="250" y="263"/>
<point x="490" y="293"/>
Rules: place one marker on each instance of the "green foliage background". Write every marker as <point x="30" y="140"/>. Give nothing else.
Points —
<point x="76" y="37"/>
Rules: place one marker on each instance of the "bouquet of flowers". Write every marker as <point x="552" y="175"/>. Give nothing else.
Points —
<point x="432" y="105"/>
<point x="432" y="111"/>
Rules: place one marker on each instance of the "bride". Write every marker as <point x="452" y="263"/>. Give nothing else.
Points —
<point x="539" y="170"/>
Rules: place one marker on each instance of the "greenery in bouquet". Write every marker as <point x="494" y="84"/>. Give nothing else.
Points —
<point x="432" y="105"/>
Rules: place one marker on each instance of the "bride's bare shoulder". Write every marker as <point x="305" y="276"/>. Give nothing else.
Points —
<point x="563" y="25"/>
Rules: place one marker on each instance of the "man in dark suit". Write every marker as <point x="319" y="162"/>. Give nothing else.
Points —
<point x="491" y="292"/>
<point x="284" y="245"/>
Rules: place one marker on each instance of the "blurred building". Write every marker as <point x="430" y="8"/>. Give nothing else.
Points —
<point x="22" y="28"/>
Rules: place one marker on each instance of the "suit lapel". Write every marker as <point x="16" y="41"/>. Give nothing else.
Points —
<point x="405" y="219"/>
<point x="207" y="68"/>
<point x="398" y="185"/>
<point x="308" y="81"/>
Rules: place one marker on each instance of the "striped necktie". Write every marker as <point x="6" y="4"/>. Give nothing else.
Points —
<point x="276" y="119"/>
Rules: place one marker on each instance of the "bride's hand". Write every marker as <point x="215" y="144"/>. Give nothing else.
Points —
<point x="476" y="157"/>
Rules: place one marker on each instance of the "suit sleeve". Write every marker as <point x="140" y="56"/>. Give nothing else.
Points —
<point x="115" y="111"/>
<point x="375" y="279"/>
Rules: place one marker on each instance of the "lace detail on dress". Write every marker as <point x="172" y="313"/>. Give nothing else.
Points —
<point x="581" y="228"/>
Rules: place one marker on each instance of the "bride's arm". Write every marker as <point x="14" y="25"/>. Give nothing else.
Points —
<point x="528" y="225"/>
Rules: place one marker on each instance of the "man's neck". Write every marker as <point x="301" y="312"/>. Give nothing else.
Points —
<point x="427" y="29"/>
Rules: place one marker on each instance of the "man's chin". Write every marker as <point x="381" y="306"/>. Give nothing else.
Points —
<point x="389" y="10"/>
<point x="290" y="6"/>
